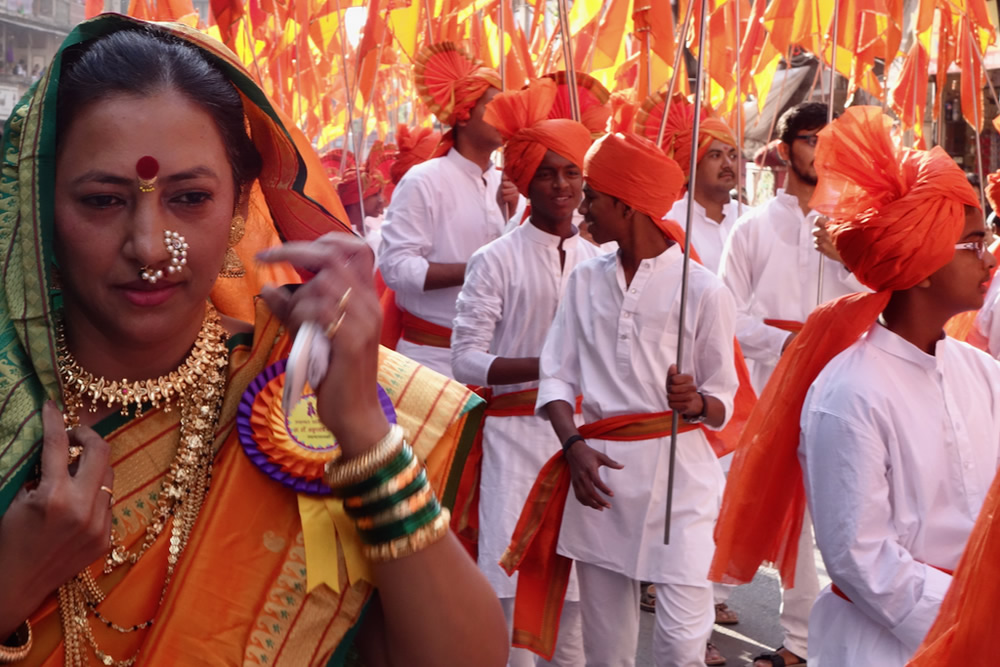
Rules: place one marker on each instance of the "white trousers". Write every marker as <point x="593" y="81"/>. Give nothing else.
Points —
<point x="569" y="642"/>
<point x="609" y="606"/>
<point x="797" y="602"/>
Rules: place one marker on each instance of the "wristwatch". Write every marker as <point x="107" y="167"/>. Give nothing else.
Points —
<point x="700" y="417"/>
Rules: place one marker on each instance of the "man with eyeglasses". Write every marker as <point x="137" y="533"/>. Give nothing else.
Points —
<point x="771" y="265"/>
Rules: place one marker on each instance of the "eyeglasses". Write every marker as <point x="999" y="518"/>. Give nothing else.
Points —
<point x="810" y="139"/>
<point x="979" y="247"/>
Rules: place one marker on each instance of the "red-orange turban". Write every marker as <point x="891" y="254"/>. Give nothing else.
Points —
<point x="896" y="216"/>
<point x="336" y="161"/>
<point x="415" y="146"/>
<point x="347" y="187"/>
<point x="680" y="122"/>
<point x="450" y="81"/>
<point x="993" y="191"/>
<point x="634" y="170"/>
<point x="521" y="117"/>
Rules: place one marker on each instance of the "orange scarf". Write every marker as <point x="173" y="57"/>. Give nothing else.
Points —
<point x="896" y="216"/>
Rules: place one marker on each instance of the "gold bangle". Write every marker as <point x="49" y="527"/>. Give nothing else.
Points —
<point x="341" y="473"/>
<point x="18" y="653"/>
<point x="410" y="544"/>
<point x="399" y="511"/>
<point x="409" y="473"/>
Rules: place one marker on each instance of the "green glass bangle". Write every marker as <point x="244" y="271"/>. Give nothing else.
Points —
<point x="403" y="527"/>
<point x="382" y="504"/>
<point x="390" y="470"/>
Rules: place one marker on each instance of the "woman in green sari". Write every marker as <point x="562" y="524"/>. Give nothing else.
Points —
<point x="141" y="177"/>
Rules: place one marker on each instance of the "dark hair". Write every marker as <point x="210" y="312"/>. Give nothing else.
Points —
<point x="142" y="62"/>
<point x="800" y="118"/>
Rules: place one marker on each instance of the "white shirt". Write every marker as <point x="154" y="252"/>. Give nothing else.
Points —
<point x="772" y="268"/>
<point x="512" y="287"/>
<point x="899" y="449"/>
<point x="707" y="236"/>
<point x="987" y="322"/>
<point x="613" y="343"/>
<point x="442" y="211"/>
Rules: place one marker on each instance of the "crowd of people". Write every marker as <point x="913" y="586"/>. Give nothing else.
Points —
<point x="535" y="366"/>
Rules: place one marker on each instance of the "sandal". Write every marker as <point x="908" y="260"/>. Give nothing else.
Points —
<point x="725" y="616"/>
<point x="713" y="656"/>
<point x="778" y="660"/>
<point x="647" y="601"/>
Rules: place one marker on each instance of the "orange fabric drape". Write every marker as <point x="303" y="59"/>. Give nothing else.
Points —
<point x="895" y="218"/>
<point x="543" y="573"/>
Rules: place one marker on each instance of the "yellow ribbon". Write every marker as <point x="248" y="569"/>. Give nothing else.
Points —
<point x="318" y="515"/>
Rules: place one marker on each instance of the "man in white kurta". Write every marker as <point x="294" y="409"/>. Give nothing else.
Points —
<point x="771" y="266"/>
<point x="614" y="340"/>
<point x="895" y="487"/>
<point x="442" y="211"/>
<point x="511" y="290"/>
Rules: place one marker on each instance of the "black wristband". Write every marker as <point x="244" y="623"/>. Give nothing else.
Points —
<point x="571" y="440"/>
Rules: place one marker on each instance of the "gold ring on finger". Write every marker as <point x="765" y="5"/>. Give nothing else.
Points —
<point x="342" y="304"/>
<point x="111" y="495"/>
<point x="331" y="330"/>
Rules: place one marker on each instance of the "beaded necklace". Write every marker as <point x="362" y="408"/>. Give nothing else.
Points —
<point x="198" y="386"/>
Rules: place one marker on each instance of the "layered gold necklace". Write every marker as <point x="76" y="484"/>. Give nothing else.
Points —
<point x="197" y="386"/>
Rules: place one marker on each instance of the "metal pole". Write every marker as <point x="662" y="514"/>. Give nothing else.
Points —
<point x="567" y="47"/>
<point x="695" y="128"/>
<point x="975" y="115"/>
<point x="829" y="119"/>
<point x="739" y="115"/>
<point x="350" y="122"/>
<point x="679" y="45"/>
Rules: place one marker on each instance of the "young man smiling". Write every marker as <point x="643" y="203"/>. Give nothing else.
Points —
<point x="511" y="290"/>
<point x="614" y="341"/>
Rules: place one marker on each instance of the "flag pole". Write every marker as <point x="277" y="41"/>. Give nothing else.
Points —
<point x="739" y="114"/>
<point x="695" y="128"/>
<point x="829" y="119"/>
<point x="350" y="121"/>
<point x="567" y="49"/>
<point x="679" y="46"/>
<point x="975" y="115"/>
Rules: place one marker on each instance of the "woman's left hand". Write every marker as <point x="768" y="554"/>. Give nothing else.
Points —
<point x="347" y="399"/>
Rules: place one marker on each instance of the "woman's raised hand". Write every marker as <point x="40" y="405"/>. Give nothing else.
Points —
<point x="342" y="265"/>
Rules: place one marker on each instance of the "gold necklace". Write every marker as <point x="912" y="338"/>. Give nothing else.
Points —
<point x="198" y="384"/>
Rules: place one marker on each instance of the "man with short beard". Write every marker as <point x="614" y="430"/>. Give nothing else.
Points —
<point x="771" y="265"/>
<point x="715" y="213"/>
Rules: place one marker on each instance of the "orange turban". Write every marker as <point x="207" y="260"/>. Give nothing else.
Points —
<point x="347" y="188"/>
<point x="896" y="216"/>
<point x="415" y="146"/>
<point x="450" y="81"/>
<point x="522" y="120"/>
<point x="634" y="170"/>
<point x="336" y="160"/>
<point x="677" y="133"/>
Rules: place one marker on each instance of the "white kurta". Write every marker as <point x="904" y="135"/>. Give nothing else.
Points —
<point x="707" y="236"/>
<point x="613" y="343"/>
<point x="512" y="287"/>
<point x="772" y="268"/>
<point x="442" y="211"/>
<point x="988" y="319"/>
<point x="899" y="449"/>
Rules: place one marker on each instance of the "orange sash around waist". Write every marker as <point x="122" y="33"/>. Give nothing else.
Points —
<point x="836" y="590"/>
<point x="517" y="404"/>
<point x="790" y="326"/>
<point x="422" y="332"/>
<point x="544" y="574"/>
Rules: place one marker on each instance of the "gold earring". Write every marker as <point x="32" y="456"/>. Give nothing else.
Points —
<point x="232" y="267"/>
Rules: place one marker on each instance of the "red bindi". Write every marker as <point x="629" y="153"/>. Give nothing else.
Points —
<point x="147" y="168"/>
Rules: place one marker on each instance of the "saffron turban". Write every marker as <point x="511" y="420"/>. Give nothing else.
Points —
<point x="677" y="137"/>
<point x="347" y="188"/>
<point x="993" y="191"/>
<point x="632" y="169"/>
<point x="415" y="146"/>
<point x="895" y="218"/>
<point x="450" y="81"/>
<point x="521" y="117"/>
